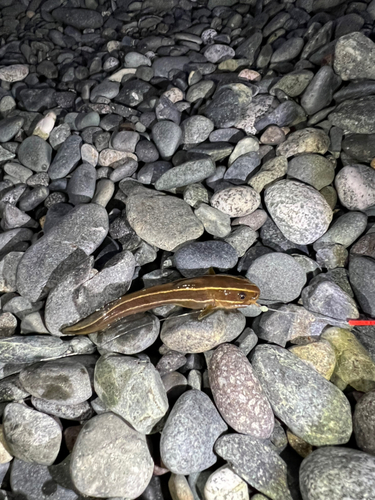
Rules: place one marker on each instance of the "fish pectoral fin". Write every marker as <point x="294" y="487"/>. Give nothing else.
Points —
<point x="207" y="311"/>
<point x="211" y="271"/>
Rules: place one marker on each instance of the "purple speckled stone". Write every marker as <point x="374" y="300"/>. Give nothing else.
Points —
<point x="238" y="394"/>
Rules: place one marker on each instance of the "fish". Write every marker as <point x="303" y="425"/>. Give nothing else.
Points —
<point x="207" y="293"/>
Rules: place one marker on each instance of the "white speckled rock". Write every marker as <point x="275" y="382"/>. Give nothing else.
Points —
<point x="225" y="484"/>
<point x="236" y="201"/>
<point x="355" y="186"/>
<point x="299" y="211"/>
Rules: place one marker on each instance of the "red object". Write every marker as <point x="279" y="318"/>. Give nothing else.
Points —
<point x="361" y="322"/>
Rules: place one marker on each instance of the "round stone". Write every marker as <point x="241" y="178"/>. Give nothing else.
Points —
<point x="236" y="201"/>
<point x="110" y="459"/>
<point x="299" y="211"/>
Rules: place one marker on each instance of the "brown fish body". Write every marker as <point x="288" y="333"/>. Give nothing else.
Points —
<point x="209" y="293"/>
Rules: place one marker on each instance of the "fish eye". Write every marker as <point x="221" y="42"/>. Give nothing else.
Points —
<point x="242" y="295"/>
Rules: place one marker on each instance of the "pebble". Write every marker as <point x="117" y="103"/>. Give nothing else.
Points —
<point x="224" y="483"/>
<point x="57" y="381"/>
<point x="190" y="335"/>
<point x="31" y="436"/>
<point x="189" y="172"/>
<point x="85" y="226"/>
<point x="364" y="422"/>
<point x="137" y="148"/>
<point x="131" y="388"/>
<point x="192" y="259"/>
<point x="106" y="442"/>
<point x="355" y="185"/>
<point x="238" y="394"/>
<point x="236" y="201"/>
<point x="256" y="462"/>
<point x="317" y="411"/>
<point x="311" y="214"/>
<point x="163" y="221"/>
<point x="354" y="365"/>
<point x="279" y="277"/>
<point x="189" y="434"/>
<point x="337" y="472"/>
<point x="35" y="153"/>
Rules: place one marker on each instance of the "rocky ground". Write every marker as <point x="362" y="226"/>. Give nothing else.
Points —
<point x="144" y="141"/>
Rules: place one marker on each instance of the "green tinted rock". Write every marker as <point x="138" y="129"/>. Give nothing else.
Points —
<point x="354" y="365"/>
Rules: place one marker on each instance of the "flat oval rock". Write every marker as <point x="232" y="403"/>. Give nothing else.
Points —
<point x="238" y="394"/>
<point x="57" y="381"/>
<point x="337" y="473"/>
<point x="189" y="434"/>
<point x="188" y="334"/>
<point x="110" y="459"/>
<point x="236" y="201"/>
<point x="313" y="408"/>
<point x="299" y="211"/>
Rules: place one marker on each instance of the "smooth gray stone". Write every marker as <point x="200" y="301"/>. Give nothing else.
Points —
<point x="190" y="432"/>
<point x="361" y="276"/>
<point x="132" y="389"/>
<point x="106" y="89"/>
<point x="163" y="65"/>
<point x="125" y="140"/>
<point x="30" y="349"/>
<point x="78" y="18"/>
<point x="345" y="231"/>
<point x="80" y="411"/>
<point x="189" y="172"/>
<point x="194" y="258"/>
<point x="18" y="171"/>
<point x="255" y="461"/>
<point x="67" y="158"/>
<point x="126" y="170"/>
<point x="279" y="277"/>
<point x="83" y="228"/>
<point x="325" y="297"/>
<point x="108" y="444"/>
<point x="355" y="186"/>
<point x="31" y="436"/>
<point x="242" y="167"/>
<point x="57" y="381"/>
<point x="316" y="410"/>
<point x="355" y="90"/>
<point x="11" y="194"/>
<point x="312" y="169"/>
<point x="54" y="214"/>
<point x="9" y="127"/>
<point x="131" y="335"/>
<point x="14" y="217"/>
<point x="249" y="47"/>
<point x="288" y="51"/>
<point x="34" y="482"/>
<point x="337" y="473"/>
<point x="167" y="136"/>
<point x="360" y="147"/>
<point x="319" y="92"/>
<point x="81" y="186"/>
<point x="288" y="113"/>
<point x="35" y="153"/>
<point x="31" y="199"/>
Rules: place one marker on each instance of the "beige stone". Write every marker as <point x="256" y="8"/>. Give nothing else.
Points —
<point x="320" y="355"/>
<point x="179" y="488"/>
